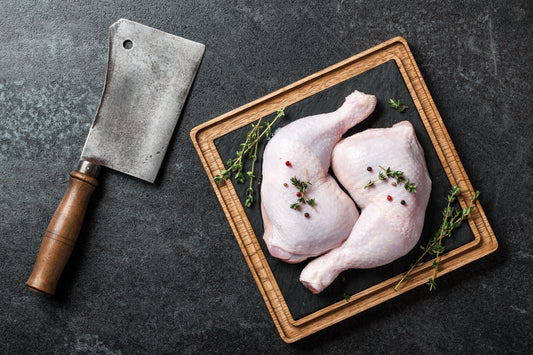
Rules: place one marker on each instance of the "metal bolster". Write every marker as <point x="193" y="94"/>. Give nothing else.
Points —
<point x="88" y="168"/>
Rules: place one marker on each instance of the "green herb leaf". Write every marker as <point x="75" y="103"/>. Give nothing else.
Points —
<point x="432" y="284"/>
<point x="397" y="105"/>
<point x="370" y="183"/>
<point x="295" y="181"/>
<point x="239" y="178"/>
<point x="249" y="197"/>
<point x="410" y="187"/>
<point x="226" y="174"/>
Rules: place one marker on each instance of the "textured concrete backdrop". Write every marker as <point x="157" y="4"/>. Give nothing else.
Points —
<point x="157" y="268"/>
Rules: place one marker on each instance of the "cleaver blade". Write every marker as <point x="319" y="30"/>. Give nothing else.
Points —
<point x="148" y="79"/>
<point x="149" y="75"/>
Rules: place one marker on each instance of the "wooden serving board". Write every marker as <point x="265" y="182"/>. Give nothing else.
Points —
<point x="387" y="71"/>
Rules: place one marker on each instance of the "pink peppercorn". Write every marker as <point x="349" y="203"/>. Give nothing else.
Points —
<point x="389" y="198"/>
<point x="288" y="163"/>
<point x="299" y="194"/>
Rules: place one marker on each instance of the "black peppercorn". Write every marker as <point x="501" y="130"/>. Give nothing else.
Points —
<point x="402" y="202"/>
<point x="369" y="168"/>
<point x="306" y="215"/>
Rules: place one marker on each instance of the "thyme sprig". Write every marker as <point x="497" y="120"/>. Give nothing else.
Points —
<point x="248" y="150"/>
<point x="371" y="183"/>
<point x="397" y="105"/>
<point x="410" y="187"/>
<point x="452" y="218"/>
<point x="303" y="198"/>
<point x="395" y="174"/>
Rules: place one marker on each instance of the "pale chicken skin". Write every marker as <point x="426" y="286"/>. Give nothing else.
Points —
<point x="387" y="229"/>
<point x="302" y="149"/>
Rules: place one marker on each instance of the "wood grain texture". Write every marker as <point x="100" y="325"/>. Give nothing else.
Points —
<point x="62" y="234"/>
<point x="203" y="138"/>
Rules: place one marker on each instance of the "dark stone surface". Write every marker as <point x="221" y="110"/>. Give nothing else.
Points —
<point x="157" y="268"/>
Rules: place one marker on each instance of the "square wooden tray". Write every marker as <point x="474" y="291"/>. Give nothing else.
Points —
<point x="204" y="136"/>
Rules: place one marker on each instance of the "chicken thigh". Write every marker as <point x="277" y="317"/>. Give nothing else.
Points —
<point x="302" y="150"/>
<point x="392" y="218"/>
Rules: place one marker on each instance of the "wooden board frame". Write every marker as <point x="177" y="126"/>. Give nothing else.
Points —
<point x="203" y="137"/>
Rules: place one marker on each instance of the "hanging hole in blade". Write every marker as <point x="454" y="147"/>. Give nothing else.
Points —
<point x="127" y="44"/>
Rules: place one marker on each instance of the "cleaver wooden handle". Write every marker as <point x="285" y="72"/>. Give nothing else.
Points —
<point x="62" y="232"/>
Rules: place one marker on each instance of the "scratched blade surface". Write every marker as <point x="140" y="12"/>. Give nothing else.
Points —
<point x="148" y="78"/>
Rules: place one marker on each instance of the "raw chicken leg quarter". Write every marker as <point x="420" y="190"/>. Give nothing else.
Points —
<point x="302" y="150"/>
<point x="387" y="228"/>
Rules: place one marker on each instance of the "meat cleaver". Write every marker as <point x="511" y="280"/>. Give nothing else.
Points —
<point x="149" y="74"/>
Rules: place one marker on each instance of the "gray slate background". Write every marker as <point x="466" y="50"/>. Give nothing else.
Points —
<point x="157" y="268"/>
